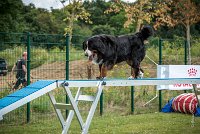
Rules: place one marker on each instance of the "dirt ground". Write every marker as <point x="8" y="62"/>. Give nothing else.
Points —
<point x="79" y="69"/>
<point x="56" y="71"/>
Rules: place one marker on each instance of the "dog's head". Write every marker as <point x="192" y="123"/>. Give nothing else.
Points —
<point x="93" y="51"/>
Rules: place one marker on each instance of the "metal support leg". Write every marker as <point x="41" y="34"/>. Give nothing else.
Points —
<point x="198" y="104"/>
<point x="71" y="113"/>
<point x="65" y="124"/>
<point x="75" y="107"/>
<point x="196" y="94"/>
<point x="92" y="109"/>
<point x="58" y="111"/>
<point x="74" y="103"/>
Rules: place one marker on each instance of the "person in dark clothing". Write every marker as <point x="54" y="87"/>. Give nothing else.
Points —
<point x="20" y="67"/>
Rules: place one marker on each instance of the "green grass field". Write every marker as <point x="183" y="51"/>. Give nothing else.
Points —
<point x="114" y="123"/>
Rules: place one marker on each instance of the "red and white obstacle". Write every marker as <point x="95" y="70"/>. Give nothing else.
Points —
<point x="185" y="103"/>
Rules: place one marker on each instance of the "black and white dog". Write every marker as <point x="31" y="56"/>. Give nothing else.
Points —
<point x="107" y="50"/>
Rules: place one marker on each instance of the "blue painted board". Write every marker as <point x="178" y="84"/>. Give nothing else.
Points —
<point x="26" y="91"/>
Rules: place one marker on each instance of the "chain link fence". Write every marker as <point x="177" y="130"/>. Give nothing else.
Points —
<point x="48" y="60"/>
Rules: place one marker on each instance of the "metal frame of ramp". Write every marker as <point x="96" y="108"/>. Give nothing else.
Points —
<point x="73" y="107"/>
<point x="25" y="95"/>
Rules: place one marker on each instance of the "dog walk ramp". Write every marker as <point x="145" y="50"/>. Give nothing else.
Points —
<point x="25" y="95"/>
<point x="40" y="88"/>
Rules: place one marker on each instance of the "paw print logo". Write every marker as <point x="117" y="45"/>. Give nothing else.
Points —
<point x="192" y="72"/>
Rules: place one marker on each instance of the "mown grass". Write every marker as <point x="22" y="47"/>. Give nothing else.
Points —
<point x="114" y="123"/>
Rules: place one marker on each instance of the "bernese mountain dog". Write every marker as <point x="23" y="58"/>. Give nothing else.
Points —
<point x="108" y="50"/>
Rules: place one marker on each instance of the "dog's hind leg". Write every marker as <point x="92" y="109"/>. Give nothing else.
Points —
<point x="134" y="68"/>
<point x="134" y="72"/>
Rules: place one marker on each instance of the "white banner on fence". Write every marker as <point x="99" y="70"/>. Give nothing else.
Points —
<point x="178" y="71"/>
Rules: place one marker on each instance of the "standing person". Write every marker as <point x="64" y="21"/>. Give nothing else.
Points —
<point x="20" y="67"/>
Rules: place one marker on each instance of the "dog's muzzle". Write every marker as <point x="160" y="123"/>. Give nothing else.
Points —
<point x="89" y="54"/>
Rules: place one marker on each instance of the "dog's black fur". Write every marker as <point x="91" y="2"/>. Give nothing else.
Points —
<point x="107" y="50"/>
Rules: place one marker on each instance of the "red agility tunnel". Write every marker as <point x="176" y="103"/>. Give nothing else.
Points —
<point x="185" y="103"/>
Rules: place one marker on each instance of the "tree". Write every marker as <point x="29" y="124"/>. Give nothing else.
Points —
<point x="117" y="21"/>
<point x="57" y="17"/>
<point x="142" y="11"/>
<point x="187" y="13"/>
<point x="45" y="23"/>
<point x="96" y="9"/>
<point x="75" y="11"/>
<point x="114" y="22"/>
<point x="38" y="20"/>
<point x="103" y="29"/>
<point x="10" y="14"/>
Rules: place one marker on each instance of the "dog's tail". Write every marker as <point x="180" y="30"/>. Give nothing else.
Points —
<point x="146" y="32"/>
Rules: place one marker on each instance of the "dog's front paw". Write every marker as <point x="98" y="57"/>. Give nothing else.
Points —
<point x="141" y="75"/>
<point x="131" y="78"/>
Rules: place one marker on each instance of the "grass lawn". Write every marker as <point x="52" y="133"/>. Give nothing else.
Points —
<point x="109" y="123"/>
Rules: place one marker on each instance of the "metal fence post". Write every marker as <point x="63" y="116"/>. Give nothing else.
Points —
<point x="101" y="104"/>
<point x="67" y="67"/>
<point x="185" y="52"/>
<point x="132" y="99"/>
<point x="160" y="63"/>
<point x="28" y="72"/>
